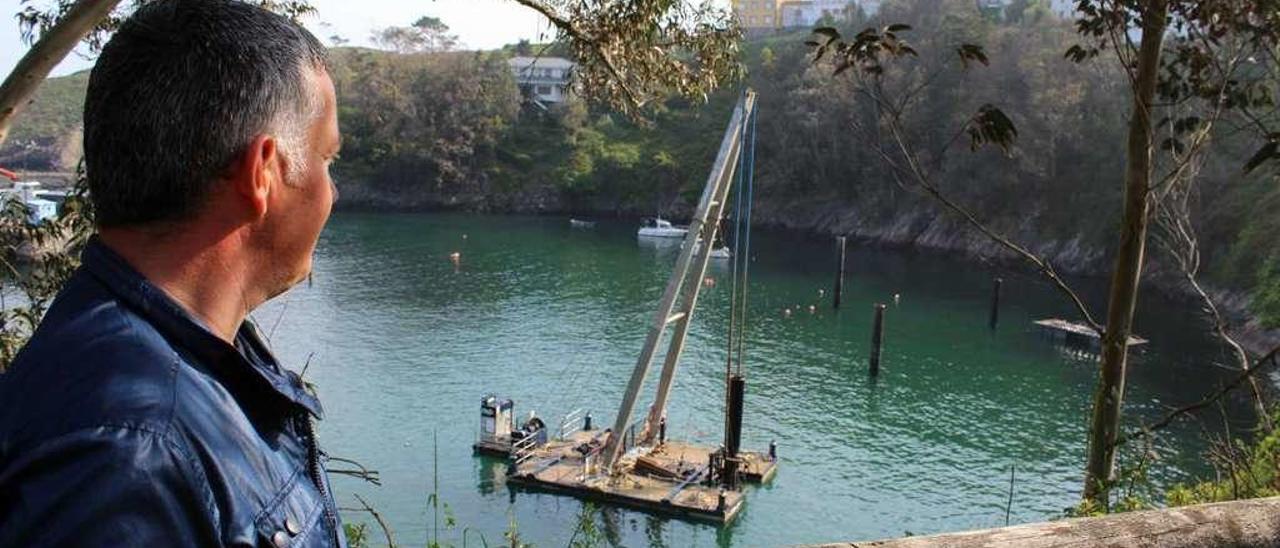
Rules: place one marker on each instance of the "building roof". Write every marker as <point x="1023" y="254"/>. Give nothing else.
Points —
<point x="541" y="62"/>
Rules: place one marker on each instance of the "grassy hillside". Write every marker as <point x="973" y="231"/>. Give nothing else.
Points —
<point x="45" y="136"/>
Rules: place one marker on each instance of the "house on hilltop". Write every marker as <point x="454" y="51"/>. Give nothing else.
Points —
<point x="766" y="16"/>
<point x="543" y="80"/>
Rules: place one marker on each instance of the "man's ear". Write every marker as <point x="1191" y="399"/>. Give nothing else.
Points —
<point x="256" y="173"/>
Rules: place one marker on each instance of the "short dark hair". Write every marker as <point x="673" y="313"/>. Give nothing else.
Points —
<point x="178" y="93"/>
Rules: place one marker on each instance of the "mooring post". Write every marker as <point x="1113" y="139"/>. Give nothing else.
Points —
<point x="877" y="338"/>
<point x="995" y="302"/>
<point x="839" y="286"/>
<point x="586" y="422"/>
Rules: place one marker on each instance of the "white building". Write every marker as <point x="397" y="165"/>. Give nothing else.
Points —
<point x="807" y="13"/>
<point x="546" y="80"/>
<point x="40" y="207"/>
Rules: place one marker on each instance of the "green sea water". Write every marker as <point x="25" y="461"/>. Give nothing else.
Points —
<point x="401" y="343"/>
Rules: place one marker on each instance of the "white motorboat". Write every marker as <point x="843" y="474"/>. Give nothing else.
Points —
<point x="660" y="228"/>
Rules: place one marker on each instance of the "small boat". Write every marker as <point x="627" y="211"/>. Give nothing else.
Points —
<point x="577" y="223"/>
<point x="660" y="228"/>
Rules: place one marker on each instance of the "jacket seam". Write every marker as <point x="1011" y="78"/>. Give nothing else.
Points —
<point x="205" y="488"/>
<point x="279" y="496"/>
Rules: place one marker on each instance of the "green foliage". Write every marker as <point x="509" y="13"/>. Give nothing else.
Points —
<point x="1247" y="255"/>
<point x="1130" y="491"/>
<point x="427" y="34"/>
<point x="587" y="534"/>
<point x="37" y="260"/>
<point x="598" y="161"/>
<point x="420" y="122"/>
<point x="634" y="54"/>
<point x="46" y="136"/>
<point x="431" y="128"/>
<point x="357" y="534"/>
<point x="512" y="534"/>
<point x="1244" y="471"/>
<point x="1266" y="291"/>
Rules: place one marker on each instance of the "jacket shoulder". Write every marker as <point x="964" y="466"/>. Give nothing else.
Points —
<point x="92" y="362"/>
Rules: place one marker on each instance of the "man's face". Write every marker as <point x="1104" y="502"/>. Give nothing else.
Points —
<point x="300" y="207"/>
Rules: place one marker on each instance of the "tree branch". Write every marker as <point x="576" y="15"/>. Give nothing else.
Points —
<point x="360" y="471"/>
<point x="53" y="46"/>
<point x="567" y="26"/>
<point x="1040" y="263"/>
<point x="386" y="531"/>
<point x="1268" y="360"/>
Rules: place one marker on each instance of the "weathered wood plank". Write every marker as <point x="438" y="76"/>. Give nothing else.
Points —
<point x="1246" y="523"/>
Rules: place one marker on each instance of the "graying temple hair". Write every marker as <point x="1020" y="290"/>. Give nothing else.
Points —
<point x="180" y="91"/>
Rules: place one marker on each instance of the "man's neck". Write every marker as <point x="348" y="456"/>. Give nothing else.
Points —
<point x="203" y="272"/>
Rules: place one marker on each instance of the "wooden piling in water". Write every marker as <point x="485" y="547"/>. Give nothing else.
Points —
<point x="995" y="303"/>
<point x="839" y="285"/>
<point x="877" y="339"/>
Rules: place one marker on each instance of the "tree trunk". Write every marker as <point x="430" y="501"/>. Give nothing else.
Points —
<point x="54" y="45"/>
<point x="1105" y="426"/>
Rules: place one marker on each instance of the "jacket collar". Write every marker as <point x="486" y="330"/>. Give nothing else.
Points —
<point x="249" y="359"/>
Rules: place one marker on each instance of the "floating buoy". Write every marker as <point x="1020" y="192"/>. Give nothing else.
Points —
<point x="464" y="236"/>
<point x="812" y="309"/>
<point x="822" y="292"/>
<point x="896" y="298"/>
<point x="786" y="312"/>
<point x="455" y="257"/>
<point x="709" y="282"/>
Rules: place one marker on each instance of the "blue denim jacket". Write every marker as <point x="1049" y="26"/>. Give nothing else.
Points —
<point x="126" y="422"/>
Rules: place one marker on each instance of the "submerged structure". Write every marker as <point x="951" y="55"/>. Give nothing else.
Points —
<point x="633" y="463"/>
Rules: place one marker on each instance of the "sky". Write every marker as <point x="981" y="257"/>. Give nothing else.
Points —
<point x="479" y="24"/>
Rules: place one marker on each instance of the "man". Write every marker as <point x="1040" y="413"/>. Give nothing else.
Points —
<point x="145" y="410"/>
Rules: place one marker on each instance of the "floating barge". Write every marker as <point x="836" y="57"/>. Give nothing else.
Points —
<point x="672" y="478"/>
<point x="1077" y="334"/>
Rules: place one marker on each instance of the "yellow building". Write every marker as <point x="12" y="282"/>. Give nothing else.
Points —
<point x="756" y="15"/>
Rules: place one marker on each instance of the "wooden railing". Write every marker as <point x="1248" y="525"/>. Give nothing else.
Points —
<point x="1243" y="523"/>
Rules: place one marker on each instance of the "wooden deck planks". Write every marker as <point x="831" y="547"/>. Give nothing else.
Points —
<point x="695" y="501"/>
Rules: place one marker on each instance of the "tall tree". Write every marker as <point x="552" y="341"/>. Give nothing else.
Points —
<point x="1193" y="34"/>
<point x="1122" y="300"/>
<point x="427" y="34"/>
<point x="1199" y="28"/>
